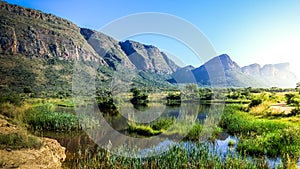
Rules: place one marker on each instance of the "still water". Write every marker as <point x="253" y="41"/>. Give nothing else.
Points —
<point x="82" y="141"/>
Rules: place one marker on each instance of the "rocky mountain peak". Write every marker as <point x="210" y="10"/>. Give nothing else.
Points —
<point x="107" y="48"/>
<point x="148" y="57"/>
<point x="34" y="34"/>
<point x="27" y="12"/>
<point x="253" y="69"/>
<point x="223" y="60"/>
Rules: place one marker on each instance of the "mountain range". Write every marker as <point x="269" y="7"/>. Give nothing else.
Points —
<point x="37" y="51"/>
<point x="224" y="68"/>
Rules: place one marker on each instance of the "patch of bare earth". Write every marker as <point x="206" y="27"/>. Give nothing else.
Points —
<point x="49" y="156"/>
<point x="282" y="107"/>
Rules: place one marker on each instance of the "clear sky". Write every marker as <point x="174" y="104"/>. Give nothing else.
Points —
<point x="249" y="31"/>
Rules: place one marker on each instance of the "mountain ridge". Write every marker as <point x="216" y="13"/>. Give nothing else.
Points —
<point x="228" y="73"/>
<point x="40" y="49"/>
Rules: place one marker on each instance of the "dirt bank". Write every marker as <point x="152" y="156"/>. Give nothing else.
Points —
<point x="49" y="156"/>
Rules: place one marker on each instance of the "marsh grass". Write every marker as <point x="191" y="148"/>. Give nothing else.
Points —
<point x="178" y="156"/>
<point x="261" y="136"/>
<point x="43" y="117"/>
<point x="19" y="140"/>
<point x="143" y="130"/>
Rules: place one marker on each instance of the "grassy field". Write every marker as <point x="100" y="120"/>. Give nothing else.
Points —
<point x="261" y="131"/>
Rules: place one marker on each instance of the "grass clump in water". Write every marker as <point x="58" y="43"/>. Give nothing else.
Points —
<point x="44" y="117"/>
<point x="143" y="130"/>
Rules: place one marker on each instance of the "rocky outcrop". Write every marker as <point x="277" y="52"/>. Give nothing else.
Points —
<point x="35" y="14"/>
<point x="38" y="35"/>
<point x="147" y="57"/>
<point x="49" y="156"/>
<point x="253" y="69"/>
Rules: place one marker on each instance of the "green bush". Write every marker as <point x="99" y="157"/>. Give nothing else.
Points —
<point x="255" y="102"/>
<point x="162" y="123"/>
<point x="139" y="98"/>
<point x="290" y="98"/>
<point x="195" y="132"/>
<point x="11" y="97"/>
<point x="173" y="98"/>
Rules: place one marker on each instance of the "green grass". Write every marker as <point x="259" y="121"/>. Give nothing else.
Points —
<point x="195" y="132"/>
<point x="261" y="136"/>
<point x="162" y="123"/>
<point x="43" y="117"/>
<point x="143" y="130"/>
<point x="19" y="140"/>
<point x="197" y="156"/>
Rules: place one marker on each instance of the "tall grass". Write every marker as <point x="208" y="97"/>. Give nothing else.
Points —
<point x="260" y="136"/>
<point x="45" y="118"/>
<point x="179" y="156"/>
<point x="19" y="140"/>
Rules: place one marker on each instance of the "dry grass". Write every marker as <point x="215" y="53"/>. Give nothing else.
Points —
<point x="12" y="111"/>
<point x="260" y="109"/>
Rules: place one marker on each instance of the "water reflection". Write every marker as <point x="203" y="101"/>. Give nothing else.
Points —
<point x="83" y="141"/>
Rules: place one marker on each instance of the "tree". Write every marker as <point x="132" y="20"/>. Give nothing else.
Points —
<point x="174" y="98"/>
<point x="298" y="87"/>
<point x="139" y="98"/>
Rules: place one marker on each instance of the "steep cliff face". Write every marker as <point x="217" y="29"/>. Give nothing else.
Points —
<point x="274" y="70"/>
<point x="147" y="57"/>
<point x="38" y="35"/>
<point x="272" y="74"/>
<point x="108" y="48"/>
<point x="253" y="69"/>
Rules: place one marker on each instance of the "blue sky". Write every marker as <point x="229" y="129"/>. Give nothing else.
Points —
<point x="250" y="31"/>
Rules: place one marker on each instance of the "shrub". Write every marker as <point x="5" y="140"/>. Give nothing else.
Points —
<point x="255" y="102"/>
<point x="231" y="143"/>
<point x="295" y="112"/>
<point x="162" y="123"/>
<point x="195" y="132"/>
<point x="11" y="97"/>
<point x="290" y="98"/>
<point x="173" y="98"/>
<point x="139" y="98"/>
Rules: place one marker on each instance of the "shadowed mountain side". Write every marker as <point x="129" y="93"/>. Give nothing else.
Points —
<point x="148" y="58"/>
<point x="108" y="48"/>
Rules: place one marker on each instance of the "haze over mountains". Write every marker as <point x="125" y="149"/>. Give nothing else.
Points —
<point x="38" y="49"/>
<point x="254" y="75"/>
